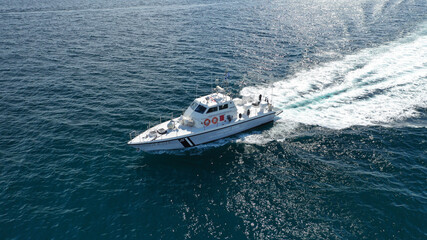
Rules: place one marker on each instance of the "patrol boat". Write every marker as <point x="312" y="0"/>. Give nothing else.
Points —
<point x="207" y="119"/>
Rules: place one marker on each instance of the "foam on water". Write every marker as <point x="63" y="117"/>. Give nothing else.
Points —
<point x="376" y="86"/>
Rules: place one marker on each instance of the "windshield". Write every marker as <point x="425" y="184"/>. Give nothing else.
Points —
<point x="193" y="105"/>
<point x="200" y="109"/>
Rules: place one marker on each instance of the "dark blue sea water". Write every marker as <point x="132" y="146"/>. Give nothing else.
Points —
<point x="347" y="159"/>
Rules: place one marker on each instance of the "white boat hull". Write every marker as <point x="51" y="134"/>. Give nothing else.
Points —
<point x="195" y="139"/>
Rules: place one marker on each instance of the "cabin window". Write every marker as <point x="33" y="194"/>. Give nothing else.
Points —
<point x="200" y="109"/>
<point x="213" y="109"/>
<point x="193" y="105"/>
<point x="225" y="106"/>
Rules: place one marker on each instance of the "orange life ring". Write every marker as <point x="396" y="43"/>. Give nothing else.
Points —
<point x="214" y="120"/>
<point x="207" y="122"/>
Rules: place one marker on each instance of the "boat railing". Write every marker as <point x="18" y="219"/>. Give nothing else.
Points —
<point x="133" y="134"/>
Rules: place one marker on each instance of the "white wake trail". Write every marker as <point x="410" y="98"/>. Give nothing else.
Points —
<point x="373" y="87"/>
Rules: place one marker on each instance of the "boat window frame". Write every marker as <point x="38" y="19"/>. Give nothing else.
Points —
<point x="200" y="109"/>
<point x="194" y="105"/>
<point x="222" y="107"/>
<point x="209" y="110"/>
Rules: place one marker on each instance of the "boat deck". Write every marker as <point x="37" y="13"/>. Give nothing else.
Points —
<point x="181" y="130"/>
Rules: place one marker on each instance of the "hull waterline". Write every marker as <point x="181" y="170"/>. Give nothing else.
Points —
<point x="195" y="139"/>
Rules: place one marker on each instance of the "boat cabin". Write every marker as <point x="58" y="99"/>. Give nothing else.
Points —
<point x="213" y="109"/>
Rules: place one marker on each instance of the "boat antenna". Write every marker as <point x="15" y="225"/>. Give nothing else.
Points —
<point x="242" y="83"/>
<point x="271" y="94"/>
<point x="212" y="80"/>
<point x="217" y="82"/>
<point x="226" y="76"/>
